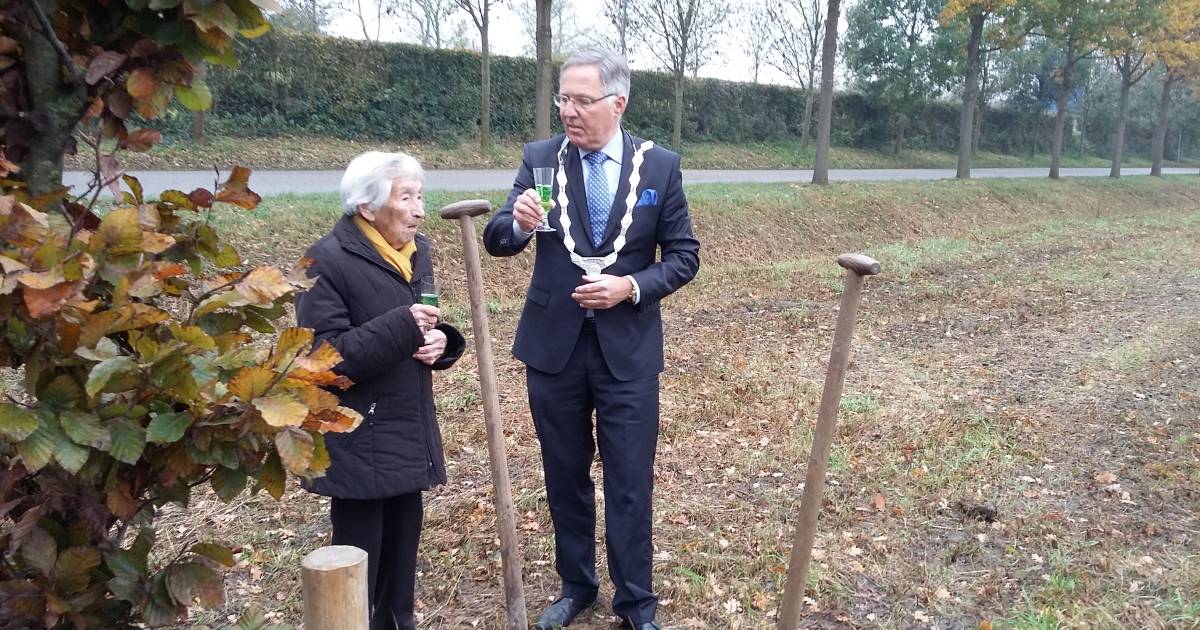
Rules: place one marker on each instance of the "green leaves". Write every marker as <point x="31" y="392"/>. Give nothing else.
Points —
<point x="85" y="429"/>
<point x="196" y="97"/>
<point x="122" y="371"/>
<point x="228" y="482"/>
<point x="165" y="428"/>
<point x="38" y="449"/>
<point x="16" y="422"/>
<point x="128" y="440"/>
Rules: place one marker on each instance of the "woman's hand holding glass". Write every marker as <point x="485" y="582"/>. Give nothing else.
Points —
<point x="426" y="316"/>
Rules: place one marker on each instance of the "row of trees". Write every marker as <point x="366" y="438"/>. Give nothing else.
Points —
<point x="909" y="49"/>
<point x="901" y="52"/>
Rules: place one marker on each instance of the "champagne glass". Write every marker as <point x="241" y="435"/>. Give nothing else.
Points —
<point x="543" y="182"/>
<point x="429" y="292"/>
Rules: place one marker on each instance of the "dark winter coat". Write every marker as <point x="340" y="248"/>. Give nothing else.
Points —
<point x="360" y="304"/>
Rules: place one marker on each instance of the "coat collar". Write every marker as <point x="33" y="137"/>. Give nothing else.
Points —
<point x="352" y="240"/>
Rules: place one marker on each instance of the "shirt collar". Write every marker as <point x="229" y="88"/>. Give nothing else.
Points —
<point x="613" y="149"/>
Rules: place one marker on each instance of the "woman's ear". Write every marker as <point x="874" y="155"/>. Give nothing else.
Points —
<point x="366" y="212"/>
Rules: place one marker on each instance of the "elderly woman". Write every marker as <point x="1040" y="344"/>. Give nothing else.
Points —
<point x="365" y="303"/>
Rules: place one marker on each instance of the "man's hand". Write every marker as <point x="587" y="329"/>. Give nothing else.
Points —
<point x="426" y="316"/>
<point x="434" y="348"/>
<point x="602" y="291"/>
<point x="527" y="210"/>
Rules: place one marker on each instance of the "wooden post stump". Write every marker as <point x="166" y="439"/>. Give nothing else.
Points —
<point x="335" y="589"/>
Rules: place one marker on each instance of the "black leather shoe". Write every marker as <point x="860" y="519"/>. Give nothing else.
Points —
<point x="649" y="625"/>
<point x="561" y="613"/>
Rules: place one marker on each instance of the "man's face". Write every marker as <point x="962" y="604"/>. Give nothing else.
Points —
<point x="398" y="219"/>
<point x="590" y="127"/>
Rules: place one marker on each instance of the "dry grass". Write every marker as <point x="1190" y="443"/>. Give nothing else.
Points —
<point x="1031" y="352"/>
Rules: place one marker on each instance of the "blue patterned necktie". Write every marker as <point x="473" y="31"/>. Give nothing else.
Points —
<point x="598" y="200"/>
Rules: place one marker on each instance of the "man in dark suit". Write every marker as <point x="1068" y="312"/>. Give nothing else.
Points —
<point x="591" y="331"/>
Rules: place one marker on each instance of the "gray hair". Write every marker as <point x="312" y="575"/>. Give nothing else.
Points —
<point x="368" y="178"/>
<point x="614" y="70"/>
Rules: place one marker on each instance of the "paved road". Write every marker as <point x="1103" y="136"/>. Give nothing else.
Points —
<point x="276" y="182"/>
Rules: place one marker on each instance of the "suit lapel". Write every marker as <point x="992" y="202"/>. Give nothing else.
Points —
<point x="618" y="206"/>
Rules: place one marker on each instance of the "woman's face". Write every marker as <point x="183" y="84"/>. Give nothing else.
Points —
<point x="398" y="219"/>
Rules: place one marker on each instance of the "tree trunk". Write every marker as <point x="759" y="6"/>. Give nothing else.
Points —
<point x="966" y="122"/>
<point x="901" y="124"/>
<point x="485" y="93"/>
<point x="545" y="80"/>
<point x="63" y="98"/>
<point x="980" y="110"/>
<point x="825" y="115"/>
<point x="1060" y="116"/>
<point x="1160" y="126"/>
<point x="810" y="96"/>
<point x="1035" y="128"/>
<point x="677" y="126"/>
<point x="1119" y="134"/>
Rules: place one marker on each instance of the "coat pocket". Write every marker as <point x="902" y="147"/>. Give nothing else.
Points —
<point x="537" y="296"/>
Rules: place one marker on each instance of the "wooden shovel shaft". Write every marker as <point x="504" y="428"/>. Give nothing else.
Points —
<point x="818" y="460"/>
<point x="514" y="593"/>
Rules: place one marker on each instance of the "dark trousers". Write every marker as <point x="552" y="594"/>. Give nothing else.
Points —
<point x="388" y="530"/>
<point x="627" y="432"/>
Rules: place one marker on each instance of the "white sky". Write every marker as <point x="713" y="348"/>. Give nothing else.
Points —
<point x="507" y="36"/>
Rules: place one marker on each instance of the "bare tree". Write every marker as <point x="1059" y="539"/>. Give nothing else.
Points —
<point x="429" y="16"/>
<point x="371" y="13"/>
<point x="481" y="14"/>
<point x="619" y="13"/>
<point x="309" y="16"/>
<point x="754" y="18"/>
<point x="680" y="33"/>
<point x="825" y="117"/>
<point x="794" y="29"/>
<point x="545" y="82"/>
<point x="568" y="37"/>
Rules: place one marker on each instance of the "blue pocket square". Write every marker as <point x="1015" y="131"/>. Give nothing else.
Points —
<point x="649" y="197"/>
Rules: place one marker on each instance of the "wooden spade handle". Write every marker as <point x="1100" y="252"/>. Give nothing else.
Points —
<point x="858" y="263"/>
<point x="468" y="208"/>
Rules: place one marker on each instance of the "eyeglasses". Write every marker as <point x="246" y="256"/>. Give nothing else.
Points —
<point x="581" y="102"/>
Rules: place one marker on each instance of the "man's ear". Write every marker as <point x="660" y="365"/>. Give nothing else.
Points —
<point x="619" y="104"/>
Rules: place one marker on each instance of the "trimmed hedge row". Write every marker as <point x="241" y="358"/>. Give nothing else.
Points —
<point x="298" y="83"/>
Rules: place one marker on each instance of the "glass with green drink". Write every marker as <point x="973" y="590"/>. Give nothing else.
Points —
<point x="429" y="292"/>
<point x="543" y="182"/>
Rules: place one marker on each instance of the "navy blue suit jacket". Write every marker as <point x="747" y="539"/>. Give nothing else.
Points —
<point x="630" y="335"/>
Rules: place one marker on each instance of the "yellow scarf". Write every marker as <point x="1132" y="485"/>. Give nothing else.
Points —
<point x="401" y="258"/>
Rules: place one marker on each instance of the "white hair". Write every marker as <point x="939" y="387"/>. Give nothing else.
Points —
<point x="614" y="70"/>
<point x="368" y="178"/>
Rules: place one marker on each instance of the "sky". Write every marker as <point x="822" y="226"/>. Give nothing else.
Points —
<point x="508" y="37"/>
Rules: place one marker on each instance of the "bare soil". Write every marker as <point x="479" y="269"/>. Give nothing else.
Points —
<point x="1018" y="443"/>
